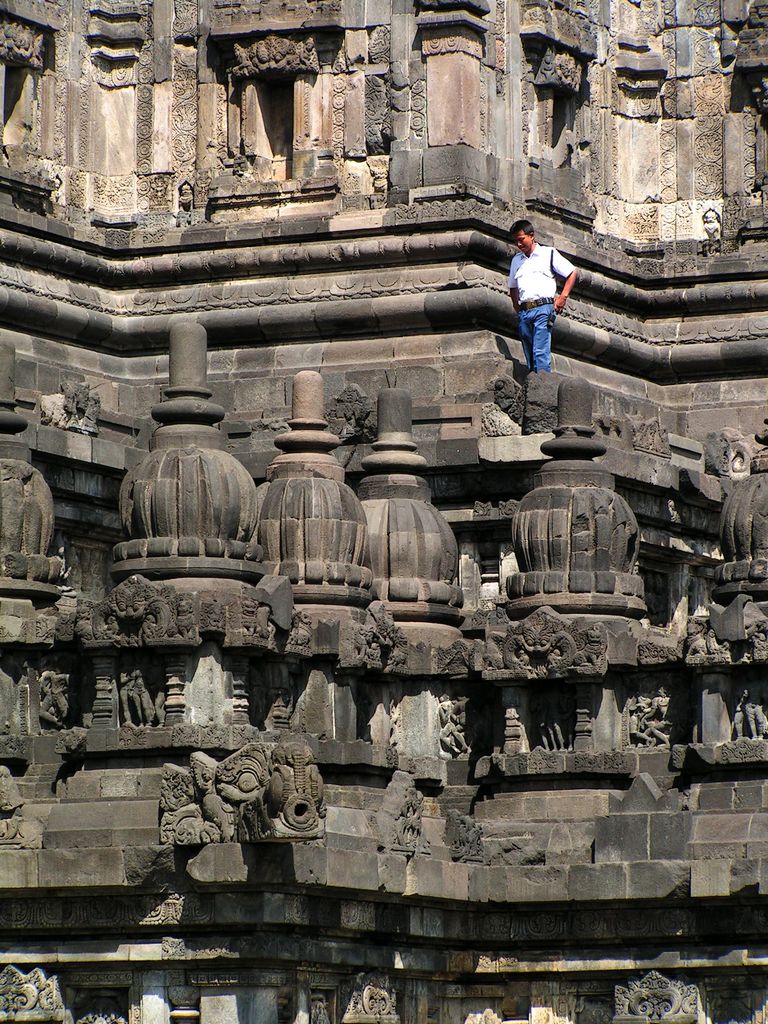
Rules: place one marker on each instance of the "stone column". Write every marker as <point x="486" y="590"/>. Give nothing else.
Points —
<point x="105" y="699"/>
<point x="582" y="733"/>
<point x="184" y="1004"/>
<point x="453" y="54"/>
<point x="714" y="717"/>
<point x="176" y="686"/>
<point x="240" y="668"/>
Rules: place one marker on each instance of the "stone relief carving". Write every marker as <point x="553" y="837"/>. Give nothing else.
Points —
<point x="509" y="396"/>
<point x="713" y="229"/>
<point x="29" y="997"/>
<point x="657" y="998"/>
<point x="20" y="43"/>
<point x="559" y="70"/>
<point x="648" y="723"/>
<point x="648" y="436"/>
<point x="496" y="423"/>
<point x="140" y="704"/>
<point x="749" y="719"/>
<point x="373" y="1001"/>
<point x="257" y="793"/>
<point x="352" y="415"/>
<point x="553" y="712"/>
<point x="400" y="818"/>
<point x="546" y="645"/>
<point x="488" y="1016"/>
<point x="378" y="644"/>
<point x="273" y="53"/>
<point x="319" y="1008"/>
<point x="15" y="830"/>
<point x="453" y="717"/>
<point x="138" y="613"/>
<point x="465" y="837"/>
<point x="56" y="700"/>
<point x="702" y="646"/>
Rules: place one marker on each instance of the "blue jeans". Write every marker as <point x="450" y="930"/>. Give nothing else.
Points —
<point x="536" y="337"/>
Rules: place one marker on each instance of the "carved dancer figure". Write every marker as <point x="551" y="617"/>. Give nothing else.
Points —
<point x="749" y="718"/>
<point x="649" y="725"/>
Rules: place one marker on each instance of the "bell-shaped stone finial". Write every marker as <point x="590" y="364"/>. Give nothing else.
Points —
<point x="189" y="507"/>
<point x="26" y="508"/>
<point x="414" y="555"/>
<point x="574" y="537"/>
<point x="744" y="533"/>
<point x="312" y="526"/>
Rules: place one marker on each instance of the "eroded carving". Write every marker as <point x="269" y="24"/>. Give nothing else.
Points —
<point x="29" y="997"/>
<point x="138" y="613"/>
<point x="547" y="646"/>
<point x="76" y="407"/>
<point x="275" y="54"/>
<point x="258" y="793"/>
<point x="400" y="818"/>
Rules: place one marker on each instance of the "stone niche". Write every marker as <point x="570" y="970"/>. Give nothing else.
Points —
<point x="280" y="145"/>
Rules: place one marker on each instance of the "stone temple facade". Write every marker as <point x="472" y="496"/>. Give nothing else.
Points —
<point x="349" y="675"/>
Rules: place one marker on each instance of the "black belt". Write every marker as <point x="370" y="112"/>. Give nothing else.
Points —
<point x="533" y="303"/>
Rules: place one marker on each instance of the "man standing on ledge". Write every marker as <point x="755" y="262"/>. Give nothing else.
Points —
<point x="532" y="288"/>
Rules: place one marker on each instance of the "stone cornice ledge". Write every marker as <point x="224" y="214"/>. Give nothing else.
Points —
<point x="445" y="311"/>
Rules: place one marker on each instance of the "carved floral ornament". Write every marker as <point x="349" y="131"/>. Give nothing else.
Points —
<point x="373" y="1001"/>
<point x="20" y="44"/>
<point x="656" y="998"/>
<point x="29" y="997"/>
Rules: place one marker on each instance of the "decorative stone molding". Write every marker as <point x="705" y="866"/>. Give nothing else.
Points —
<point x="258" y="793"/>
<point x="20" y="43"/>
<point x="656" y="998"/>
<point x="439" y="41"/>
<point x="640" y="73"/>
<point x="29" y="997"/>
<point x="275" y="55"/>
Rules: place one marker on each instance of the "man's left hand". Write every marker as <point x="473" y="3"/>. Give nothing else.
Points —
<point x="559" y="303"/>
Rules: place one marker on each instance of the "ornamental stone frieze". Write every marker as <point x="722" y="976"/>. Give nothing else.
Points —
<point x="546" y="645"/>
<point x="275" y="55"/>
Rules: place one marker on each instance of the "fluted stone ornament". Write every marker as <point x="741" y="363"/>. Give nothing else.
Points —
<point x="744" y="533"/>
<point x="312" y="526"/>
<point x="574" y="537"/>
<point x="189" y="507"/>
<point x="414" y="554"/>
<point x="26" y="506"/>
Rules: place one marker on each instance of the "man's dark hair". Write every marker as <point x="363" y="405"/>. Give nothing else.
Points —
<point x="522" y="225"/>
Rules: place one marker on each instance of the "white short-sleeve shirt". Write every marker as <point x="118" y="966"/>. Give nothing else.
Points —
<point x="532" y="275"/>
